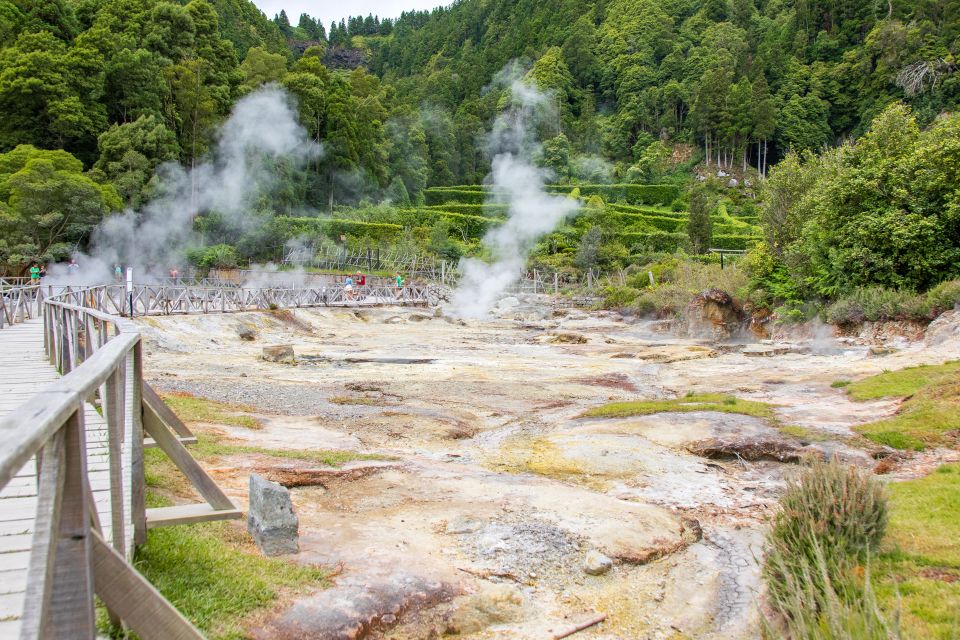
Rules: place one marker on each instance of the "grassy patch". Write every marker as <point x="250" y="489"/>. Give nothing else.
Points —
<point x="160" y="472"/>
<point x="691" y="402"/>
<point x="928" y="417"/>
<point x="803" y="433"/>
<point x="920" y="571"/>
<point x="840" y="384"/>
<point x="902" y="383"/>
<point x="214" y="575"/>
<point x="190" y="408"/>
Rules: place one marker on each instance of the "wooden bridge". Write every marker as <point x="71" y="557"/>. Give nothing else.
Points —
<point x="76" y="417"/>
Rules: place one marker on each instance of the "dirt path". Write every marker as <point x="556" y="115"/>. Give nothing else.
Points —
<point x="498" y="493"/>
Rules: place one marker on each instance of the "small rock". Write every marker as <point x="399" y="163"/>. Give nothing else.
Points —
<point x="596" y="564"/>
<point x="278" y="353"/>
<point x="393" y="320"/>
<point x="247" y="333"/>
<point x="733" y="183"/>
<point x="567" y="337"/>
<point x="419" y="317"/>
<point x="271" y="520"/>
<point x="464" y="524"/>
<point x="881" y="350"/>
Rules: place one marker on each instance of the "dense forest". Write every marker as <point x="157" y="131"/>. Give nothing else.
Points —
<point x="816" y="134"/>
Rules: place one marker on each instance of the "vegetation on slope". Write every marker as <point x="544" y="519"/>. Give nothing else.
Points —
<point x="930" y="413"/>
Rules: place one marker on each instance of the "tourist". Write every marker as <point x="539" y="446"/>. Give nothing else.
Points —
<point x="34" y="273"/>
<point x="43" y="271"/>
<point x="73" y="267"/>
<point x="174" y="275"/>
<point x="399" y="285"/>
<point x="361" y="285"/>
<point x="348" y="288"/>
<point x="118" y="273"/>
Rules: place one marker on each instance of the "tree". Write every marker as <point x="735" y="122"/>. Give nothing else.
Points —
<point x="261" y="67"/>
<point x="131" y="152"/>
<point x="699" y="222"/>
<point x="556" y="157"/>
<point x="134" y="85"/>
<point x="49" y="93"/>
<point x="588" y="251"/>
<point x="764" y="119"/>
<point x="578" y="52"/>
<point x="47" y="206"/>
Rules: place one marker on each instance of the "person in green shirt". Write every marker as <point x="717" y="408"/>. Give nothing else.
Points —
<point x="399" y="286"/>
<point x="34" y="274"/>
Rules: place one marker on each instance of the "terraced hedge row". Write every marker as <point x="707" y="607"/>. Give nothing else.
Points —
<point x="290" y="227"/>
<point x="637" y="194"/>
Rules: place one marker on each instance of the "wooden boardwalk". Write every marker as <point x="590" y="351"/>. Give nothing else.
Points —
<point x="24" y="370"/>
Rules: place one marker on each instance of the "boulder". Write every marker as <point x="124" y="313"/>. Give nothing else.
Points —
<point x="713" y="314"/>
<point x="733" y="183"/>
<point x="944" y="328"/>
<point x="751" y="448"/>
<point x="271" y="520"/>
<point x="247" y="333"/>
<point x="596" y="564"/>
<point x="278" y="353"/>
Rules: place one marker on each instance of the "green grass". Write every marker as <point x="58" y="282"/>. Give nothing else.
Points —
<point x="840" y="384"/>
<point x="213" y="575"/>
<point x="691" y="402"/>
<point x="919" y="572"/>
<point x="190" y="408"/>
<point x="902" y="383"/>
<point x="160" y="472"/>
<point x="930" y="416"/>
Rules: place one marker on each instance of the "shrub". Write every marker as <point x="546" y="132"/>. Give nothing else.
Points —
<point x="831" y="510"/>
<point x="876" y="303"/>
<point x="944" y="297"/>
<point x="219" y="256"/>
<point x="619" y="297"/>
<point x="678" y="206"/>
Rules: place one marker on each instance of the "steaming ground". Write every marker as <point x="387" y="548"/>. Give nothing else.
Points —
<point x="494" y="491"/>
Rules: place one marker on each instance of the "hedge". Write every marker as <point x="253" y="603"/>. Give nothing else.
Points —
<point x="472" y="226"/>
<point x="733" y="241"/>
<point x="290" y="227"/>
<point x="662" y="194"/>
<point x="655" y="241"/>
<point x="485" y="210"/>
<point x="434" y="196"/>
<point x="646" y="211"/>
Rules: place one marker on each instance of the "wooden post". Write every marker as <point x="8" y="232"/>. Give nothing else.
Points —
<point x="113" y="404"/>
<point x="134" y="426"/>
<point x="71" y="603"/>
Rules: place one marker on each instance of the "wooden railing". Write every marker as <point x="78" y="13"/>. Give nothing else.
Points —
<point x="19" y="303"/>
<point x="99" y="354"/>
<point x="186" y="299"/>
<point x="71" y="557"/>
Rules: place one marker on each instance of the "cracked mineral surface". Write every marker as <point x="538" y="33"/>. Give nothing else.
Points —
<point x="492" y="489"/>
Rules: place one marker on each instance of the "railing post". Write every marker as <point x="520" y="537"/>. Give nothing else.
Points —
<point x="133" y="415"/>
<point x="113" y="405"/>
<point x="71" y="604"/>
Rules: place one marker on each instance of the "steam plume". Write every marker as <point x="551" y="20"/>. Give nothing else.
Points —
<point x="262" y="131"/>
<point x="519" y="184"/>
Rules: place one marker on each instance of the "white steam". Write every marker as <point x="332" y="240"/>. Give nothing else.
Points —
<point x="518" y="183"/>
<point x="262" y="131"/>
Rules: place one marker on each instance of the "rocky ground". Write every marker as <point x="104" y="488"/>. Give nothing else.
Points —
<point x="499" y="512"/>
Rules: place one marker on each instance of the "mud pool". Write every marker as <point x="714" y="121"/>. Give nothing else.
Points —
<point x="492" y="490"/>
